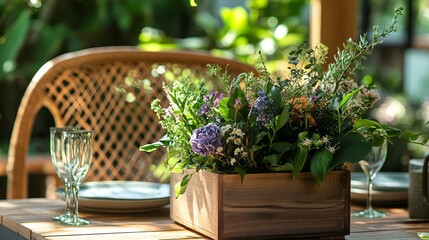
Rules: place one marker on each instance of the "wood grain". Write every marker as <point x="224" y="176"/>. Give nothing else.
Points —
<point x="264" y="205"/>
<point x="30" y="218"/>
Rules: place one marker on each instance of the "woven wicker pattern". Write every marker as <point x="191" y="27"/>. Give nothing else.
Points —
<point x="108" y="90"/>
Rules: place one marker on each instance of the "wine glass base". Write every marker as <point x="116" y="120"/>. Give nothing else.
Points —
<point x="75" y="222"/>
<point x="369" y="213"/>
<point x="62" y="217"/>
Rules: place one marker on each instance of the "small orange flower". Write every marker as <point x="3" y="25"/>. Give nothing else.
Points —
<point x="301" y="107"/>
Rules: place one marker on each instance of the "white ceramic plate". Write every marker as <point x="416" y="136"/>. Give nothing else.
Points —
<point x="361" y="195"/>
<point x="121" y="196"/>
<point x="384" y="181"/>
<point x="388" y="187"/>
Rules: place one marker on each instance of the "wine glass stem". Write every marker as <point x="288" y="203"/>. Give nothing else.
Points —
<point x="369" y="200"/>
<point x="67" y="197"/>
<point x="75" y="191"/>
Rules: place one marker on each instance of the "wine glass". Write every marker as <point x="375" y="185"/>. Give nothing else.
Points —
<point x="59" y="163"/>
<point x="371" y="165"/>
<point x="78" y="148"/>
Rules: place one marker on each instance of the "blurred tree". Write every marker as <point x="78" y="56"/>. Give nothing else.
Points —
<point x="271" y="27"/>
<point x="35" y="31"/>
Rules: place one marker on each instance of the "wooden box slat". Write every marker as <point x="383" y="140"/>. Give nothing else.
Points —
<point x="264" y="205"/>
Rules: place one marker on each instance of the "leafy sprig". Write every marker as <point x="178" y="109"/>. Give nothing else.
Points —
<point x="349" y="60"/>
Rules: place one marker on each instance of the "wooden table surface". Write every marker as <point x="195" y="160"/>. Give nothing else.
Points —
<point x="31" y="219"/>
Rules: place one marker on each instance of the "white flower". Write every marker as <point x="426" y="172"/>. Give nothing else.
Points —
<point x="237" y="151"/>
<point x="232" y="161"/>
<point x="332" y="149"/>
<point x="225" y="128"/>
<point x="219" y="149"/>
<point x="325" y="139"/>
<point x="238" y="132"/>
<point x="307" y="142"/>
<point x="237" y="141"/>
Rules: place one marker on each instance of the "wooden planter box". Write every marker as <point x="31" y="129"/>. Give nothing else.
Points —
<point x="266" y="205"/>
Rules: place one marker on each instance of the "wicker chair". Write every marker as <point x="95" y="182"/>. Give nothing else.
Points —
<point x="108" y="90"/>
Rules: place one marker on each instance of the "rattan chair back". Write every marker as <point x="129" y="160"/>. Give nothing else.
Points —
<point x="108" y="90"/>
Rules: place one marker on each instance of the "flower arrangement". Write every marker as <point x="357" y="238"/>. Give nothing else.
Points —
<point x="310" y="121"/>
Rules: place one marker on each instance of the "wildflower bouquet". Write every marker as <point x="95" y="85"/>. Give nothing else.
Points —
<point x="311" y="121"/>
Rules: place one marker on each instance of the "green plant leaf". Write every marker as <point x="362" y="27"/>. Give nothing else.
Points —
<point x="236" y="19"/>
<point x="271" y="159"/>
<point x="282" y="119"/>
<point x="281" y="147"/>
<point x="423" y="235"/>
<point x="192" y="3"/>
<point x="299" y="159"/>
<point x="181" y="186"/>
<point x="287" y="167"/>
<point x="408" y="135"/>
<point x="14" y="38"/>
<point x="320" y="165"/>
<point x="336" y="102"/>
<point x="352" y="148"/>
<point x="276" y="96"/>
<point x="241" y="171"/>
<point x="360" y="123"/>
<point x="238" y="94"/>
<point x="347" y="98"/>
<point x="224" y="110"/>
<point x="151" y="147"/>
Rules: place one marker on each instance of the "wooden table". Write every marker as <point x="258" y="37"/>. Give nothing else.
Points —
<point x="31" y="219"/>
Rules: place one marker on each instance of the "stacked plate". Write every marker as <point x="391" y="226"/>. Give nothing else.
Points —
<point x="388" y="188"/>
<point x="121" y="196"/>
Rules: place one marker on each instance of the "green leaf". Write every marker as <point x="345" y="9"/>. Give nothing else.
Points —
<point x="287" y="167"/>
<point x="361" y="123"/>
<point x="271" y="159"/>
<point x="281" y="147"/>
<point x="238" y="94"/>
<point x="410" y="135"/>
<point x="282" y="119"/>
<point x="320" y="165"/>
<point x="276" y="96"/>
<point x="352" y="148"/>
<point x="336" y="102"/>
<point x="14" y="38"/>
<point x="224" y="110"/>
<point x="423" y="235"/>
<point x="226" y="106"/>
<point x="236" y="19"/>
<point x="256" y="148"/>
<point x="367" y="80"/>
<point x="165" y="140"/>
<point x="192" y="3"/>
<point x="347" y="98"/>
<point x="151" y="147"/>
<point x="299" y="160"/>
<point x="181" y="186"/>
<point x="260" y="136"/>
<point x="174" y="164"/>
<point x="241" y="171"/>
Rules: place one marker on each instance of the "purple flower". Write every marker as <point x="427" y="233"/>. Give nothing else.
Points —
<point x="237" y="103"/>
<point x="206" y="139"/>
<point x="204" y="109"/>
<point x="210" y="97"/>
<point x="210" y="101"/>
<point x="264" y="109"/>
<point x="217" y="100"/>
<point x="314" y="98"/>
